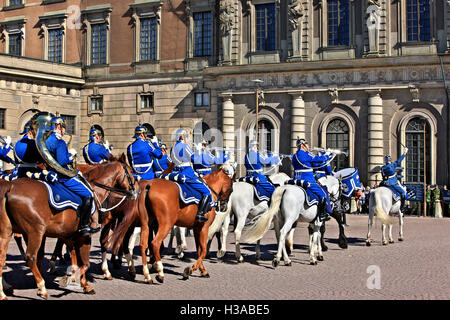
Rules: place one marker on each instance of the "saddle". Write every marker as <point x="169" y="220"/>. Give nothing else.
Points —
<point x="310" y="198"/>
<point x="188" y="195"/>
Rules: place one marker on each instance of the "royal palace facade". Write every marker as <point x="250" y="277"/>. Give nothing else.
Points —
<point x="364" y="76"/>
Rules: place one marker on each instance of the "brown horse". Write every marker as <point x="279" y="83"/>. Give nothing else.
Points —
<point x="24" y="209"/>
<point x="160" y="201"/>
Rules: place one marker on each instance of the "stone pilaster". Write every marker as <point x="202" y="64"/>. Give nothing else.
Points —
<point x="375" y="136"/>
<point x="297" y="119"/>
<point x="228" y="120"/>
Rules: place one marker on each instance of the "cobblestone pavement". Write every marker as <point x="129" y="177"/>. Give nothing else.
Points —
<point x="417" y="268"/>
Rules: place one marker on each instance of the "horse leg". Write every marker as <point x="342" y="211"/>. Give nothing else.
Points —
<point x="163" y="231"/>
<point x="290" y="242"/>
<point x="400" y="222"/>
<point x="237" y="236"/>
<point x="5" y="237"/>
<point x="57" y="252"/>
<point x="83" y="247"/>
<point x="170" y="245"/>
<point x="201" y="238"/>
<point x="319" y="246"/>
<point x="369" y="227"/>
<point x="281" y="245"/>
<point x="383" y="236"/>
<point x="131" y="245"/>
<point x="223" y="248"/>
<point x="314" y="244"/>
<point x="322" y="238"/>
<point x="143" y="245"/>
<point x="129" y="252"/>
<point x="33" y="245"/>
<point x="18" y="239"/>
<point x="103" y="237"/>
<point x="391" y="240"/>
<point x="40" y="255"/>
<point x="342" y="240"/>
<point x="181" y="241"/>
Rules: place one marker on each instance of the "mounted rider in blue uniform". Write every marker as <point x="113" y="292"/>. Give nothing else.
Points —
<point x="96" y="151"/>
<point x="254" y="162"/>
<point x="390" y="180"/>
<point x="203" y="159"/>
<point x="26" y="153"/>
<point x="304" y="163"/>
<point x="181" y="154"/>
<point x="323" y="171"/>
<point x="58" y="150"/>
<point x="159" y="165"/>
<point x="142" y="152"/>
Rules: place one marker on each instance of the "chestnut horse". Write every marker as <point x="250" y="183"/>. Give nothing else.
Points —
<point x="160" y="201"/>
<point x="24" y="209"/>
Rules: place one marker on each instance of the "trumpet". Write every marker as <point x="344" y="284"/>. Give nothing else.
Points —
<point x="335" y="151"/>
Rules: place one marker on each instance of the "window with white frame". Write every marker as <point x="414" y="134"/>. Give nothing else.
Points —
<point x="147" y="101"/>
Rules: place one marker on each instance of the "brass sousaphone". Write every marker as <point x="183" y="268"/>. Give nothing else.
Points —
<point x="42" y="128"/>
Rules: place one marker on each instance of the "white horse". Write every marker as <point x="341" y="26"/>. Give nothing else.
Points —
<point x="290" y="202"/>
<point x="382" y="205"/>
<point x="242" y="204"/>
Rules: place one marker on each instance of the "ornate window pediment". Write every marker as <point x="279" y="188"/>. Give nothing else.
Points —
<point x="53" y="30"/>
<point x="13" y="34"/>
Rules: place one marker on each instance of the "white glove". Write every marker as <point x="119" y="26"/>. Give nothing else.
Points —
<point x="198" y="146"/>
<point x="8" y="141"/>
<point x="106" y="144"/>
<point x="154" y="139"/>
<point x="406" y="150"/>
<point x="73" y="152"/>
<point x="328" y="153"/>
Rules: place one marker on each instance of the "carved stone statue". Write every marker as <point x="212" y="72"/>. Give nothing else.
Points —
<point x="295" y="12"/>
<point x="226" y="20"/>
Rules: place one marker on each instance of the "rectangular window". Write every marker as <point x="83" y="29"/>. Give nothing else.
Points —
<point x="202" y="34"/>
<point x="265" y="27"/>
<point x="15" y="2"/>
<point x="418" y="20"/>
<point x="70" y="123"/>
<point x="202" y="99"/>
<point x="96" y="103"/>
<point x="2" y="118"/>
<point x="338" y="22"/>
<point x="55" y="45"/>
<point x="98" y="44"/>
<point x="15" y="44"/>
<point x="148" y="39"/>
<point x="147" y="101"/>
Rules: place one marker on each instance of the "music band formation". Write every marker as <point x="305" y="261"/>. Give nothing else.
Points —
<point x="42" y="147"/>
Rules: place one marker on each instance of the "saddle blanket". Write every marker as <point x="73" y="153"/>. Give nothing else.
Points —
<point x="396" y="195"/>
<point x="60" y="198"/>
<point x="263" y="190"/>
<point x="310" y="197"/>
<point x="188" y="195"/>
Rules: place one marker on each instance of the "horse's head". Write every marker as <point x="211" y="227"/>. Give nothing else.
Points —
<point x="125" y="180"/>
<point x="221" y="183"/>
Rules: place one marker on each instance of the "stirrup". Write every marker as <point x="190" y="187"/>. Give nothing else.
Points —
<point x="88" y="230"/>
<point x="201" y="218"/>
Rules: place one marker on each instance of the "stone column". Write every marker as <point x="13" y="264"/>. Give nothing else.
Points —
<point x="228" y="120"/>
<point x="375" y="136"/>
<point x="297" y="119"/>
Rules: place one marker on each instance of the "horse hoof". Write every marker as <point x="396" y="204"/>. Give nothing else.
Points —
<point x="42" y="295"/>
<point x="325" y="248"/>
<point x="64" y="281"/>
<point x="108" y="277"/>
<point x="187" y="272"/>
<point x="160" y="279"/>
<point x="241" y="259"/>
<point x="205" y="275"/>
<point x="288" y="264"/>
<point x="400" y="239"/>
<point x="385" y="243"/>
<point x="391" y="241"/>
<point x="132" y="275"/>
<point x="342" y="245"/>
<point x="313" y="263"/>
<point x="220" y="254"/>
<point x="181" y="256"/>
<point x="275" y="263"/>
<point x="320" y="258"/>
<point x="89" y="291"/>
<point x="368" y="244"/>
<point x="148" y="280"/>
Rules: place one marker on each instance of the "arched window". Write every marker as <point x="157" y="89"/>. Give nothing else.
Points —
<point x="150" y="130"/>
<point x="338" y="138"/>
<point x="338" y="22"/>
<point x="418" y="142"/>
<point x="418" y="20"/>
<point x="199" y="131"/>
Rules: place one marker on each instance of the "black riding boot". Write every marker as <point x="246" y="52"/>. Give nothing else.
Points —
<point x="85" y="217"/>
<point x="402" y="204"/>
<point x="202" y="209"/>
<point x="323" y="215"/>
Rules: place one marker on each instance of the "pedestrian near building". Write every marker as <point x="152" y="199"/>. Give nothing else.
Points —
<point x="428" y="198"/>
<point x="436" y="198"/>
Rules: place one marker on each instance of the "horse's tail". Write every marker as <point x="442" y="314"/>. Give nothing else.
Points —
<point x="379" y="210"/>
<point x="130" y="213"/>
<point x="261" y="224"/>
<point x="218" y="220"/>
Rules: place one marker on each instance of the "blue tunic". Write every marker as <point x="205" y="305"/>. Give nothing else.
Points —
<point x="95" y="153"/>
<point x="304" y="163"/>
<point x="4" y="155"/>
<point x="202" y="161"/>
<point x="390" y="180"/>
<point x="159" y="165"/>
<point x="27" y="156"/>
<point x="254" y="164"/>
<point x="140" y="155"/>
<point x="58" y="150"/>
<point x="181" y="155"/>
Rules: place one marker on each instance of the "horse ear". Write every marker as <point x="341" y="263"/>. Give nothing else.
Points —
<point x="123" y="158"/>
